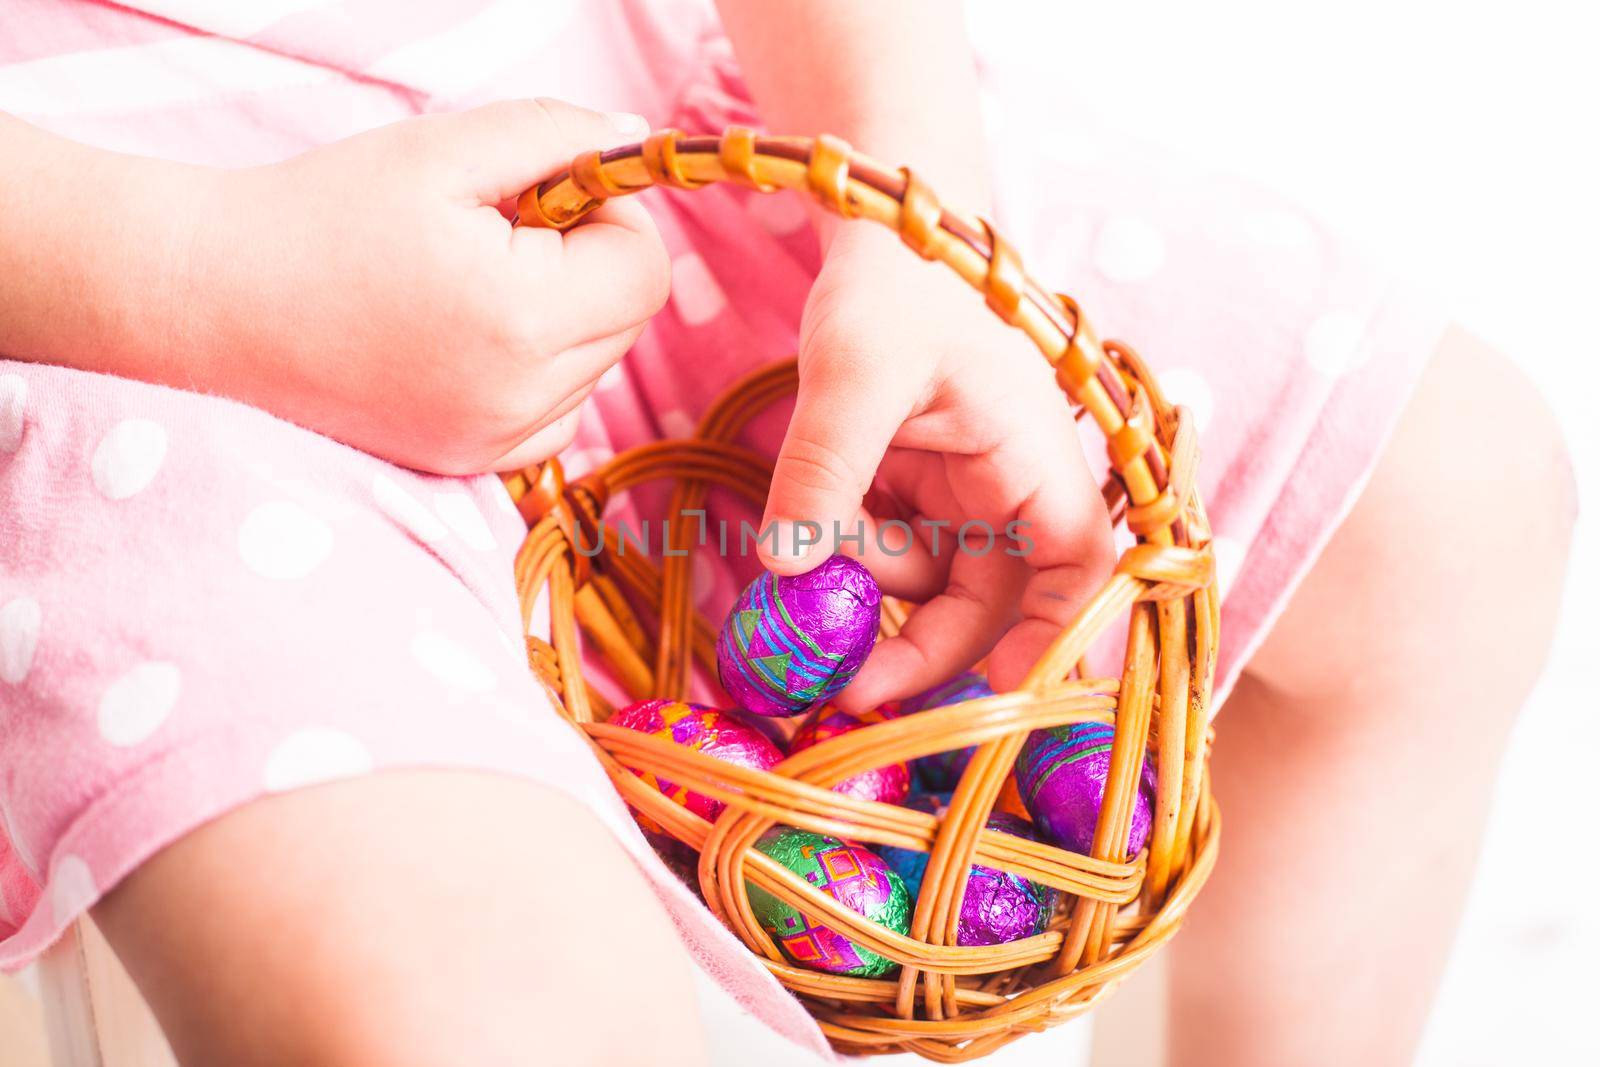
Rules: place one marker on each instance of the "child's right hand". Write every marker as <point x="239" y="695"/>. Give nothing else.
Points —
<point x="371" y="289"/>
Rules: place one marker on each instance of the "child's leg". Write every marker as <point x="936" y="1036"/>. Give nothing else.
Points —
<point x="406" y="919"/>
<point x="1356" y="759"/>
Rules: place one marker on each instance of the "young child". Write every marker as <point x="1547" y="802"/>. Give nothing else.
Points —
<point x="258" y="369"/>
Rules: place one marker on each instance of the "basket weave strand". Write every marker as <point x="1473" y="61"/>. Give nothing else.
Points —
<point x="948" y="1002"/>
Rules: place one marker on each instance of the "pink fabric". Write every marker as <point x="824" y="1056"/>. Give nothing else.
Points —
<point x="200" y="603"/>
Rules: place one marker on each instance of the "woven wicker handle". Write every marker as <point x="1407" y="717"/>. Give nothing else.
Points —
<point x="1150" y="444"/>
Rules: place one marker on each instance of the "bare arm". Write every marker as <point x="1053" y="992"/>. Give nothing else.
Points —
<point x="91" y="250"/>
<point x="368" y="289"/>
<point x="895" y="78"/>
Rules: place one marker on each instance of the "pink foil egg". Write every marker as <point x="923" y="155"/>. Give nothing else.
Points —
<point x="889" y="784"/>
<point x="707" y="730"/>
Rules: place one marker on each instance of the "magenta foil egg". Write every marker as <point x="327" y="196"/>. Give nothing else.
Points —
<point x="706" y="730"/>
<point x="1061" y="774"/>
<point x="889" y="784"/>
<point x="791" y="643"/>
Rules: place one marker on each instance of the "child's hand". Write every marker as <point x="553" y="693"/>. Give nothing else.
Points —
<point x="370" y="289"/>
<point x="373" y="291"/>
<point x="913" y="395"/>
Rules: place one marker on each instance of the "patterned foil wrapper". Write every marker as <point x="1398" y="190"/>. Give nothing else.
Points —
<point x="908" y="863"/>
<point x="889" y="784"/>
<point x="707" y="730"/>
<point x="791" y="643"/>
<point x="997" y="906"/>
<point x="941" y="771"/>
<point x="850" y="874"/>
<point x="1061" y="773"/>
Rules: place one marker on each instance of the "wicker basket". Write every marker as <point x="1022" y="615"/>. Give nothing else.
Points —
<point x="948" y="1003"/>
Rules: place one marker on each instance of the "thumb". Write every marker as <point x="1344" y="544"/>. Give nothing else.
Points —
<point x="503" y="148"/>
<point x="841" y="428"/>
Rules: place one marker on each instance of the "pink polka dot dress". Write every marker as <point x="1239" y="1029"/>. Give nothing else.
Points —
<point x="201" y="604"/>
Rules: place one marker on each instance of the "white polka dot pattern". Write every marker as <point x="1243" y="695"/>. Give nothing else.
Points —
<point x="313" y="756"/>
<point x="702" y="578"/>
<point x="281" y="540"/>
<point x="676" y="424"/>
<point x="137" y="703"/>
<point x="128" y="457"/>
<point x="463" y="516"/>
<point x="451" y="663"/>
<point x="13" y="411"/>
<point x="1183" y="385"/>
<point x="1278" y="228"/>
<point x="696" y="296"/>
<point x="72" y="889"/>
<point x="19" y="637"/>
<point x="1229" y="554"/>
<point x="1128" y="249"/>
<point x="577" y="462"/>
<point x="519" y="655"/>
<point x="406" y="510"/>
<point x="1333" y="343"/>
<point x="780" y="214"/>
<point x="503" y="501"/>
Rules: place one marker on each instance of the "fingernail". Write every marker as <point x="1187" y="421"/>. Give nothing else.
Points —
<point x="626" y="122"/>
<point x="794" y="542"/>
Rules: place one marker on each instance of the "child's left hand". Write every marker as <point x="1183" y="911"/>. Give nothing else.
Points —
<point x="914" y="397"/>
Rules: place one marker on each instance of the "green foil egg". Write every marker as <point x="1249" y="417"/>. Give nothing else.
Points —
<point x="854" y="876"/>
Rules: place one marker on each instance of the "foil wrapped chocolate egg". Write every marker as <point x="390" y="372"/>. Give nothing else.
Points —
<point x="941" y="771"/>
<point x="997" y="906"/>
<point x="1061" y="774"/>
<point x="850" y="874"/>
<point x="791" y="643"/>
<point x="706" y="730"/>
<point x="908" y="863"/>
<point x="889" y="784"/>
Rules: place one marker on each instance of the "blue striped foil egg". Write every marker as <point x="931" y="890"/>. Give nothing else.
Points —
<point x="791" y="643"/>
<point x="940" y="772"/>
<point x="1061" y="774"/>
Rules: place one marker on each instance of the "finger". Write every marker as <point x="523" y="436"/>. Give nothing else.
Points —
<point x="900" y="561"/>
<point x="945" y="636"/>
<point x="898" y="545"/>
<point x="845" y="414"/>
<point x="580" y="369"/>
<point x="1066" y="536"/>
<point x="499" y="150"/>
<point x="608" y="274"/>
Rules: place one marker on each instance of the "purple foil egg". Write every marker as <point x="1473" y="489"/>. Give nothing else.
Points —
<point x="940" y="772"/>
<point x="791" y="643"/>
<point x="1061" y="774"/>
<point x="998" y="906"/>
<point x="889" y="784"/>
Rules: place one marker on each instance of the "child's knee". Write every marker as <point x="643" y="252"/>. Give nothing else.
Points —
<point x="403" y="919"/>
<point x="1454" y="555"/>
